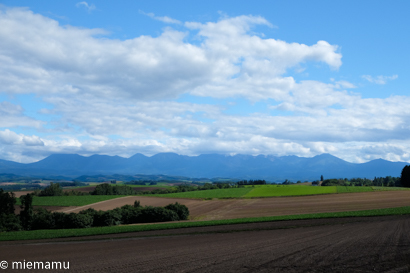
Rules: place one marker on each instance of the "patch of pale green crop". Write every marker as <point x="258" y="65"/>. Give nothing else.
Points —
<point x="390" y="188"/>
<point x="208" y="194"/>
<point x="286" y="190"/>
<point x="349" y="189"/>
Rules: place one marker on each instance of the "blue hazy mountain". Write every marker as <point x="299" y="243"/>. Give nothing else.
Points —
<point x="272" y="168"/>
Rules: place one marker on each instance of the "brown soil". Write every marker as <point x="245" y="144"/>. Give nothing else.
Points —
<point x="7" y="183"/>
<point x="20" y="193"/>
<point x="373" y="244"/>
<point x="192" y="204"/>
<point x="240" y="208"/>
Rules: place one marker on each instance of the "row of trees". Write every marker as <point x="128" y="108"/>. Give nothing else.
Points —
<point x="251" y="182"/>
<point x="387" y="181"/>
<point x="8" y="219"/>
<point x="142" y="183"/>
<point x="127" y="214"/>
<point x="32" y="219"/>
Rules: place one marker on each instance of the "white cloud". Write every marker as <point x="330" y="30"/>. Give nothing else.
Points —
<point x="11" y="138"/>
<point x="115" y="97"/>
<point x="64" y="59"/>
<point x="164" y="19"/>
<point x="86" y="6"/>
<point x="379" y="79"/>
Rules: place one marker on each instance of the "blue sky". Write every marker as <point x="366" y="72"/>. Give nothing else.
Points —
<point x="230" y="77"/>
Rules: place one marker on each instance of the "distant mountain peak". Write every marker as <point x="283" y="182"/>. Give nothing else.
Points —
<point x="240" y="166"/>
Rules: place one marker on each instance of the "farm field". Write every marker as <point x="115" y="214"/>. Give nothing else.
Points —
<point x="273" y="191"/>
<point x="285" y="246"/>
<point x="343" y="189"/>
<point x="66" y="201"/>
<point x="269" y="191"/>
<point x="209" y="194"/>
<point x="261" y="207"/>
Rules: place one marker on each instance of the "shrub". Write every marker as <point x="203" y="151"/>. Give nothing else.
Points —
<point x="157" y="214"/>
<point x="43" y="219"/>
<point x="75" y="220"/>
<point x="181" y="210"/>
<point x="130" y="214"/>
<point x="107" y="218"/>
<point x="137" y="204"/>
<point x="53" y="190"/>
<point x="334" y="182"/>
<point x="107" y="189"/>
<point x="7" y="202"/>
<point x="60" y="220"/>
<point x="9" y="222"/>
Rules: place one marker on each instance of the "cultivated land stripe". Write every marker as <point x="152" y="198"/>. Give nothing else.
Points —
<point x="272" y="206"/>
<point x="90" y="205"/>
<point x="374" y="244"/>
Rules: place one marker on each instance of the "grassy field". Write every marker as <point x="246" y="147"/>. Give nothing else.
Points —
<point x="343" y="189"/>
<point x="269" y="191"/>
<point x="62" y="233"/>
<point x="208" y="194"/>
<point x="390" y="188"/>
<point x="272" y="191"/>
<point x="67" y="201"/>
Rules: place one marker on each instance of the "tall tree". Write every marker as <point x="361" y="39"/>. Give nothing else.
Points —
<point x="26" y="214"/>
<point x="405" y="176"/>
<point x="7" y="202"/>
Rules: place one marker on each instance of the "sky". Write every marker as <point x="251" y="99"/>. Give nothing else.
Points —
<point x="197" y="77"/>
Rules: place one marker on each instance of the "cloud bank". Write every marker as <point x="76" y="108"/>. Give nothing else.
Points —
<point x="121" y="97"/>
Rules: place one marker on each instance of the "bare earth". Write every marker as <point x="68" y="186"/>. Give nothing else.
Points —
<point x="240" y="208"/>
<point x="373" y="244"/>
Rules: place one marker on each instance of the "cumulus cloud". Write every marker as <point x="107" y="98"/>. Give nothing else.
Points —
<point x="379" y="79"/>
<point x="69" y="60"/>
<point x="11" y="138"/>
<point x="116" y="97"/>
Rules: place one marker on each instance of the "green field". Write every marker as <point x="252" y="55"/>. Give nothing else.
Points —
<point x="343" y="189"/>
<point x="390" y="188"/>
<point x="205" y="194"/>
<point x="66" y="201"/>
<point x="63" y="233"/>
<point x="272" y="191"/>
<point x="269" y="191"/>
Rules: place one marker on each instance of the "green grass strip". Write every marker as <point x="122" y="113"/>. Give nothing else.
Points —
<point x="289" y="191"/>
<point x="208" y="194"/>
<point x="66" y="201"/>
<point x="63" y="233"/>
<point x="376" y="188"/>
<point x="349" y="189"/>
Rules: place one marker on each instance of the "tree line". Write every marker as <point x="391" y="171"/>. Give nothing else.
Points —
<point x="387" y="181"/>
<point x="33" y="219"/>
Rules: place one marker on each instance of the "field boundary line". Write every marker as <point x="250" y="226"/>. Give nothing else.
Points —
<point x="82" y="207"/>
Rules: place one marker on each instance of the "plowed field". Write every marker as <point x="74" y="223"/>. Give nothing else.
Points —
<point x="240" y="208"/>
<point x="373" y="244"/>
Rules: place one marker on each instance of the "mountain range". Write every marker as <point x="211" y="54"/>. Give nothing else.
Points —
<point x="270" y="168"/>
